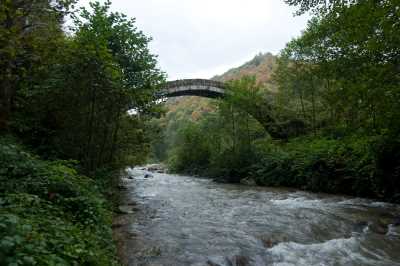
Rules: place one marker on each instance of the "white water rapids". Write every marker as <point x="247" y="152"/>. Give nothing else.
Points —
<point x="182" y="220"/>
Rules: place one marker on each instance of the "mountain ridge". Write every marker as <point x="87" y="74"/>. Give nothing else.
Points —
<point x="261" y="66"/>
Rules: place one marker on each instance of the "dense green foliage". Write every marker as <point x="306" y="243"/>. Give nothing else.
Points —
<point x="331" y="125"/>
<point x="49" y="214"/>
<point x="351" y="165"/>
<point x="343" y="70"/>
<point x="72" y="102"/>
<point x="65" y="95"/>
<point x="27" y="30"/>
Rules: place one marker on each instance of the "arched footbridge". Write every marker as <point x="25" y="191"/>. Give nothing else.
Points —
<point x="216" y="89"/>
<point x="194" y="87"/>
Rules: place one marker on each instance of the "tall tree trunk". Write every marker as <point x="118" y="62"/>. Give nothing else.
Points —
<point x="233" y="128"/>
<point x="89" y="152"/>
<point x="248" y="130"/>
<point x="313" y="112"/>
<point x="6" y="83"/>
<point x="103" y="145"/>
<point x="115" y="137"/>
<point x="5" y="104"/>
<point x="303" y="110"/>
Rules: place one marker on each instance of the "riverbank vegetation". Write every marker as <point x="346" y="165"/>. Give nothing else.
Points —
<point x="49" y="214"/>
<point x="65" y="89"/>
<point x="331" y="121"/>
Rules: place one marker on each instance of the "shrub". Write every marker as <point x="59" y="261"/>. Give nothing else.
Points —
<point x="50" y="215"/>
<point x="360" y="166"/>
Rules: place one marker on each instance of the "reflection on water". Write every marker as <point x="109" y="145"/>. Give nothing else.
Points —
<point x="183" y="220"/>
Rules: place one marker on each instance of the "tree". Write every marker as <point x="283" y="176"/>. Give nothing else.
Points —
<point x="253" y="102"/>
<point x="351" y="57"/>
<point x="297" y="77"/>
<point x="79" y="109"/>
<point x="318" y="6"/>
<point x="28" y="32"/>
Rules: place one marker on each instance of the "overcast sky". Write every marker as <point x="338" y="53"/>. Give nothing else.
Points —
<point x="203" y="38"/>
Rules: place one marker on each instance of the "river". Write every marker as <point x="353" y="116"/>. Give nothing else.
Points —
<point x="182" y="220"/>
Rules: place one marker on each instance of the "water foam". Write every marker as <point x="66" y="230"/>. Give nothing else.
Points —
<point x="393" y="230"/>
<point x="340" y="251"/>
<point x="300" y="202"/>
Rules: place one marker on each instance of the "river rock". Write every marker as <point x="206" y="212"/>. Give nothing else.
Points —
<point x="393" y="231"/>
<point x="360" y="226"/>
<point x="396" y="222"/>
<point x="240" y="260"/>
<point x="237" y="260"/>
<point x="120" y="221"/>
<point x="211" y="263"/>
<point x="378" y="228"/>
<point x="132" y="234"/>
<point x="148" y="176"/>
<point x="268" y="242"/>
<point x="131" y="203"/>
<point x="217" y="261"/>
<point x="158" y="168"/>
<point x="248" y="181"/>
<point x="117" y="225"/>
<point x="122" y="187"/>
<point x="125" y="209"/>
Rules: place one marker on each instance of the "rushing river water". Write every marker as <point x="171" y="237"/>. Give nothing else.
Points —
<point x="181" y="220"/>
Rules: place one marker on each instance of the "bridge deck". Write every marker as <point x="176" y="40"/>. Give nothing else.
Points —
<point x="194" y="87"/>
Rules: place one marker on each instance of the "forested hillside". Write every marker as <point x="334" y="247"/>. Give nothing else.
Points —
<point x="261" y="66"/>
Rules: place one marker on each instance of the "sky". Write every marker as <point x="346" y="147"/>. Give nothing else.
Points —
<point x="204" y="38"/>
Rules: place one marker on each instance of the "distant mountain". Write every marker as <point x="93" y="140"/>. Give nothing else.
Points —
<point x="261" y="66"/>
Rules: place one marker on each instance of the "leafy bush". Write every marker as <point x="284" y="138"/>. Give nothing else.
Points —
<point x="361" y="166"/>
<point x="49" y="215"/>
<point x="231" y="165"/>
<point x="193" y="153"/>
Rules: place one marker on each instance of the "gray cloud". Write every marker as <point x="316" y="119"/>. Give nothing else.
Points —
<point x="199" y="39"/>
